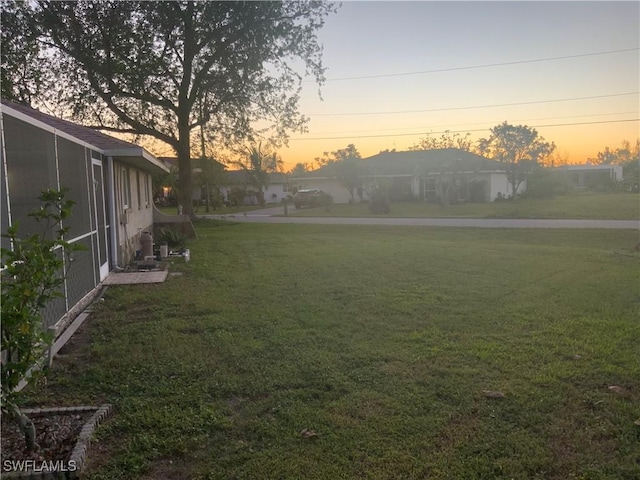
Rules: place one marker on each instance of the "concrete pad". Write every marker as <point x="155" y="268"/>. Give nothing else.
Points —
<point x="135" y="278"/>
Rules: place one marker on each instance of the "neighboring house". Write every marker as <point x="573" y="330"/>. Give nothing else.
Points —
<point x="197" y="194"/>
<point x="591" y="176"/>
<point x="274" y="192"/>
<point x="417" y="175"/>
<point x="108" y="179"/>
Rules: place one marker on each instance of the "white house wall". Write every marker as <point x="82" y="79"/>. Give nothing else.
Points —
<point x="496" y="183"/>
<point x="500" y="185"/>
<point x="328" y="185"/>
<point x="274" y="193"/>
<point x="415" y="186"/>
<point x="134" y="209"/>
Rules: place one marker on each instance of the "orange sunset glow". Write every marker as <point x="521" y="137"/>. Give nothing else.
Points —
<point x="398" y="71"/>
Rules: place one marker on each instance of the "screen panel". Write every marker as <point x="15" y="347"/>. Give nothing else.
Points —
<point x="72" y="162"/>
<point x="31" y="166"/>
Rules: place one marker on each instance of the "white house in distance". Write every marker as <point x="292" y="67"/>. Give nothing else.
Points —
<point x="413" y="175"/>
<point x="108" y="179"/>
<point x="275" y="191"/>
<point x="590" y="176"/>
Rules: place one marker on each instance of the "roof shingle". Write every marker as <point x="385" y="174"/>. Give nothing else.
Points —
<point x="88" y="135"/>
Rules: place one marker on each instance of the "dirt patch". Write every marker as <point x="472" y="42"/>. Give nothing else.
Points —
<point x="63" y="437"/>
<point x="167" y="470"/>
<point x="56" y="435"/>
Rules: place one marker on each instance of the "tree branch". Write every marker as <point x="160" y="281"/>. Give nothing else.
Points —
<point x="136" y="125"/>
<point x="112" y="129"/>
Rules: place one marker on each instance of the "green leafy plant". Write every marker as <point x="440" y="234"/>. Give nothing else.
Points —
<point x="380" y="201"/>
<point x="31" y="276"/>
<point x="173" y="238"/>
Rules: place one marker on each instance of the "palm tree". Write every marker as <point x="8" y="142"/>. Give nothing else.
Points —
<point x="209" y="177"/>
<point x="258" y="164"/>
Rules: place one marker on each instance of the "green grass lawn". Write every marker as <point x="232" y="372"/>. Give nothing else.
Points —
<point x="587" y="205"/>
<point x="382" y="341"/>
<point x="202" y="210"/>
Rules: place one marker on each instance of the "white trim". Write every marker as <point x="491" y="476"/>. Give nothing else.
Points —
<point x="91" y="189"/>
<point x="6" y="172"/>
<point x="112" y="206"/>
<point x="125" y="188"/>
<point x="81" y="237"/>
<point x="99" y="197"/>
<point x="64" y="263"/>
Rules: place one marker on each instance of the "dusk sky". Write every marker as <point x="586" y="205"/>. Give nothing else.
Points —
<point x="431" y="66"/>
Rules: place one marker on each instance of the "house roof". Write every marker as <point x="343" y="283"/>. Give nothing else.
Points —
<point x="588" y="167"/>
<point x="240" y="177"/>
<point x="110" y="146"/>
<point x="195" y="162"/>
<point x="418" y="162"/>
<point x="231" y="177"/>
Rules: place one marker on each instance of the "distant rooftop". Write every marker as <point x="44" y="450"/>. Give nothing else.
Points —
<point x="416" y="162"/>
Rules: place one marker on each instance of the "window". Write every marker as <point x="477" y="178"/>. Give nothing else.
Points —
<point x="125" y="193"/>
<point x="146" y="190"/>
<point x="143" y="190"/>
<point x="139" y="189"/>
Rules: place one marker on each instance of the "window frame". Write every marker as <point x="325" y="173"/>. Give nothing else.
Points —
<point x="125" y="189"/>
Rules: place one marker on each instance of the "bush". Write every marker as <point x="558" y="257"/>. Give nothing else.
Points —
<point x="173" y="238"/>
<point x="545" y="183"/>
<point x="31" y="277"/>
<point x="235" y="197"/>
<point x="379" y="202"/>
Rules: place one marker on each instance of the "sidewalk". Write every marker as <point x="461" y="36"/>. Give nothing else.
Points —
<point x="270" y="215"/>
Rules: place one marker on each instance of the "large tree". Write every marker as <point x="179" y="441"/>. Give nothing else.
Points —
<point x="164" y="69"/>
<point x="446" y="140"/>
<point x="20" y="55"/>
<point x="619" y="156"/>
<point x="300" y="168"/>
<point x="349" y="168"/>
<point x="628" y="156"/>
<point x="519" y="148"/>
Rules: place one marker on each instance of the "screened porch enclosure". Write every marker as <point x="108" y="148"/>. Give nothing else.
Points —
<point x="36" y="158"/>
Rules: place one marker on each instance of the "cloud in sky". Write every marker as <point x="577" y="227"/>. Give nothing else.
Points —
<point x="426" y="63"/>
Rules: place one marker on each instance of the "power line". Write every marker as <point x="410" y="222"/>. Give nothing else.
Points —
<point x="488" y="65"/>
<point x="472" y="107"/>
<point x="457" y="131"/>
<point x="634" y="112"/>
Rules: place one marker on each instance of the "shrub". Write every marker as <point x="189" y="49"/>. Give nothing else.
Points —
<point x="545" y="183"/>
<point x="173" y="238"/>
<point x="31" y="277"/>
<point x="379" y="201"/>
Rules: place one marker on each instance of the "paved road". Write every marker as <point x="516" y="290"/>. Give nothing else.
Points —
<point x="271" y="215"/>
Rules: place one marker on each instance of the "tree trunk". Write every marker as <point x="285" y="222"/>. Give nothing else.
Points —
<point x="184" y="169"/>
<point x="27" y="427"/>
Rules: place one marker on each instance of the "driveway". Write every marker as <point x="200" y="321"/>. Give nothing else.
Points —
<point x="276" y="215"/>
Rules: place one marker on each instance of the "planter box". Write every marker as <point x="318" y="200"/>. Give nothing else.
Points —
<point x="69" y="468"/>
